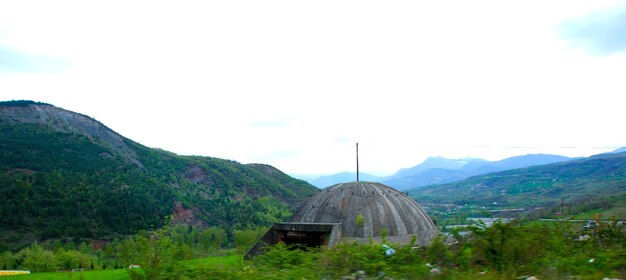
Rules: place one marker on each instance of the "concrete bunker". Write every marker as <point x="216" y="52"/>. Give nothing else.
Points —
<point x="357" y="211"/>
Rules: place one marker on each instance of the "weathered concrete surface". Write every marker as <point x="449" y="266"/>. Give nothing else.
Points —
<point x="367" y="209"/>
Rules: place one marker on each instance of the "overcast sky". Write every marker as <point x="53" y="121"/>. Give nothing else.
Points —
<point x="296" y="83"/>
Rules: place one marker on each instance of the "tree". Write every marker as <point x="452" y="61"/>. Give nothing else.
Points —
<point x="210" y="239"/>
<point x="7" y="260"/>
<point x="127" y="251"/>
<point x="84" y="248"/>
<point x="244" y="239"/>
<point x="37" y="259"/>
<point x="68" y="259"/>
<point x="156" y="254"/>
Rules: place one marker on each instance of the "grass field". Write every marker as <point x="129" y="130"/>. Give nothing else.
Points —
<point x="616" y="211"/>
<point x="217" y="263"/>
<point x="117" y="274"/>
<point x="232" y="261"/>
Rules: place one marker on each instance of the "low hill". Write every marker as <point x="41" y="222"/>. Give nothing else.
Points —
<point x="600" y="175"/>
<point x="65" y="175"/>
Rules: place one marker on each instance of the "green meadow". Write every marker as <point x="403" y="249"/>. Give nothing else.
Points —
<point x="208" y="265"/>
<point x="117" y="274"/>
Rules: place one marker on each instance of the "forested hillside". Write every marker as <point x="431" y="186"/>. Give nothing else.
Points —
<point x="600" y="176"/>
<point x="65" y="175"/>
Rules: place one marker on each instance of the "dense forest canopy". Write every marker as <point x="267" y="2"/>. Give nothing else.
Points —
<point x="62" y="182"/>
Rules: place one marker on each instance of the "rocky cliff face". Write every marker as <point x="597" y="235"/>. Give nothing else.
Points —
<point x="67" y="121"/>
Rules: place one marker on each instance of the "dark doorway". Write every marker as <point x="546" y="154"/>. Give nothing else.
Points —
<point x="307" y="235"/>
<point x="304" y="238"/>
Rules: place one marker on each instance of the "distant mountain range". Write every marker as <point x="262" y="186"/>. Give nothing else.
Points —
<point x="66" y="175"/>
<point x="439" y="170"/>
<point x="620" y="150"/>
<point x="343" y="177"/>
<point x="444" y="171"/>
<point x="601" y="175"/>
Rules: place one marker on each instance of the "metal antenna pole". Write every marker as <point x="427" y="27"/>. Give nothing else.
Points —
<point x="357" y="161"/>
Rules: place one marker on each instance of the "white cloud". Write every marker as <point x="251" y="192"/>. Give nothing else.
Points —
<point x="602" y="32"/>
<point x="297" y="83"/>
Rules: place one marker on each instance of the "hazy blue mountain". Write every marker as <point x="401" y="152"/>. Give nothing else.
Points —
<point x="343" y="177"/>
<point x="620" y="150"/>
<point x="427" y="177"/>
<point x="576" y="180"/>
<point x="435" y="163"/>
<point x="516" y="162"/>
<point x="441" y="170"/>
<point x="306" y="177"/>
<point x="437" y="170"/>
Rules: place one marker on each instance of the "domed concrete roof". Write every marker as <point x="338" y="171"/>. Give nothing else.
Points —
<point x="367" y="209"/>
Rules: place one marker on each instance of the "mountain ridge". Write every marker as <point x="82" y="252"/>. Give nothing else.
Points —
<point x="435" y="163"/>
<point x="578" y="179"/>
<point x="25" y="111"/>
<point x="440" y="170"/>
<point x="619" y="150"/>
<point x="470" y="168"/>
<point x="341" y="177"/>
<point x="66" y="175"/>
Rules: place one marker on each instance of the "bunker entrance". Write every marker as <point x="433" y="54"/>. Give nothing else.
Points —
<point x="308" y="235"/>
<point x="303" y="238"/>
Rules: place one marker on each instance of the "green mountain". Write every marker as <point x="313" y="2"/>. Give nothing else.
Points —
<point x="65" y="175"/>
<point x="576" y="180"/>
